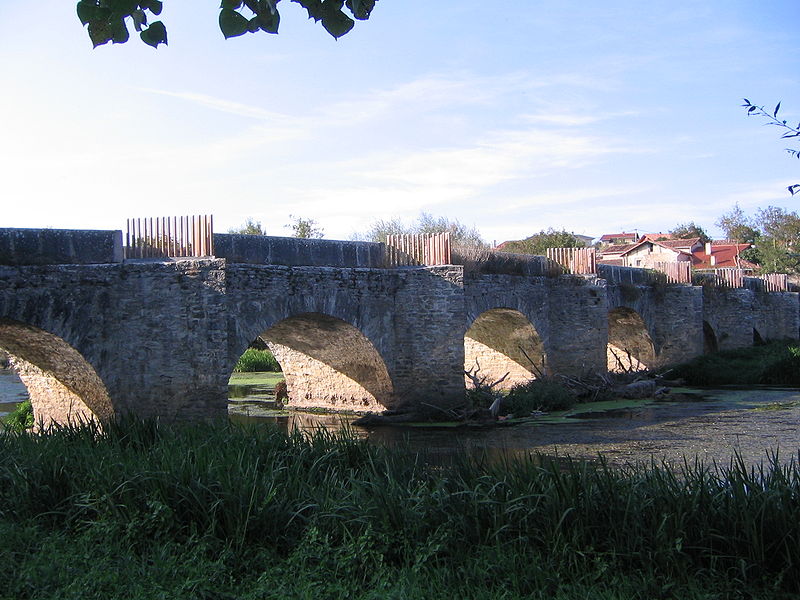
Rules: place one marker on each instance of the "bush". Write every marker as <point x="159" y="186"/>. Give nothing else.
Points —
<point x="256" y="360"/>
<point x="21" y="418"/>
<point x="776" y="363"/>
<point x="537" y="394"/>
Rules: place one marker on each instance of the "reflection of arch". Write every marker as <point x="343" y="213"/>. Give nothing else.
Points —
<point x="710" y="343"/>
<point x="62" y="385"/>
<point x="629" y="344"/>
<point x="329" y="363"/>
<point x="498" y="340"/>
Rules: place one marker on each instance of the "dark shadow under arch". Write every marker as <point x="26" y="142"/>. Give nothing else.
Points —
<point x="630" y="347"/>
<point x="710" y="343"/>
<point x="62" y="385"/>
<point x="500" y="341"/>
<point x="329" y="363"/>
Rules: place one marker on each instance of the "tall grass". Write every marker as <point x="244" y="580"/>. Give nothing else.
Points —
<point x="252" y="507"/>
<point x="254" y="359"/>
<point x="777" y="362"/>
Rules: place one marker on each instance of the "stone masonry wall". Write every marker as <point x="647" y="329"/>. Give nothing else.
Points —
<point x="776" y="315"/>
<point x="155" y="333"/>
<point x="729" y="313"/>
<point x="568" y="313"/>
<point x="59" y="246"/>
<point x="672" y="314"/>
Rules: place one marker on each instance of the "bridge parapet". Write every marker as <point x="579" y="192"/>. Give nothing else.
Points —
<point x="295" y="252"/>
<point x="20" y="247"/>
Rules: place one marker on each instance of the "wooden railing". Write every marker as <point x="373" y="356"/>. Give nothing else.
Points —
<point x="724" y="277"/>
<point x="170" y="237"/>
<point x="676" y="272"/>
<point x="578" y="261"/>
<point x="418" y="249"/>
<point x="775" y="282"/>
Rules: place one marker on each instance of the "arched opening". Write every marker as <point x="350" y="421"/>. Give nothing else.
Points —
<point x="630" y="347"/>
<point x="328" y="363"/>
<point x="758" y="340"/>
<point x="500" y="341"/>
<point x="710" y="343"/>
<point x="63" y="387"/>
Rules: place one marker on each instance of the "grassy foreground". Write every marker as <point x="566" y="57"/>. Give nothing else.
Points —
<point x="143" y="510"/>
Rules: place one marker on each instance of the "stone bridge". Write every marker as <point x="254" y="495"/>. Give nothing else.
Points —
<point x="93" y="335"/>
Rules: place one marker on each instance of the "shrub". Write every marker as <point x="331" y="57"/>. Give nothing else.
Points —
<point x="538" y="394"/>
<point x="256" y="360"/>
<point x="776" y="362"/>
<point x="21" y="418"/>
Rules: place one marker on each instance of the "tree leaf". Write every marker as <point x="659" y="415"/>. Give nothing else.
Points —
<point x="361" y="9"/>
<point x="139" y="19"/>
<point x="88" y="11"/>
<point x="119" y="31"/>
<point x="269" y="22"/>
<point x="154" y="6"/>
<point x="313" y="7"/>
<point x="155" y="34"/>
<point x="232" y="24"/>
<point x="334" y="20"/>
<point x="100" y="32"/>
<point x="777" y="108"/>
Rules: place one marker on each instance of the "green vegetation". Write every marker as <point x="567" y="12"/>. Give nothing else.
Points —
<point x="775" y="363"/>
<point x="256" y="360"/>
<point x="536" y="395"/>
<point x="107" y="20"/>
<point x="268" y="379"/>
<point x="538" y="243"/>
<point x="21" y="418"/>
<point x="142" y="510"/>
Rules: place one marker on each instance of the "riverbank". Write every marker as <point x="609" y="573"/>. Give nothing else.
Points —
<point x="219" y="511"/>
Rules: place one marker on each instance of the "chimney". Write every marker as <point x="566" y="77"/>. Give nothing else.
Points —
<point x="713" y="260"/>
<point x="708" y="249"/>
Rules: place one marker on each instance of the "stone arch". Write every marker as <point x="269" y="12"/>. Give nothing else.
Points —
<point x="329" y="363"/>
<point x="630" y="346"/>
<point x="497" y="343"/>
<point x="710" y="343"/>
<point x="62" y="385"/>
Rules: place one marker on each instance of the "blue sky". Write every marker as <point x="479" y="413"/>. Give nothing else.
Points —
<point x="512" y="117"/>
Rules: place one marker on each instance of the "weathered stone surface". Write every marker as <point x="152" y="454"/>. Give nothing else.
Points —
<point x="59" y="246"/>
<point x="160" y="339"/>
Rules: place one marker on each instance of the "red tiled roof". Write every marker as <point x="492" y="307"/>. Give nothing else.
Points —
<point x="725" y="255"/>
<point x="608" y="237"/>
<point x="681" y="243"/>
<point x="617" y="249"/>
<point x="652" y="237"/>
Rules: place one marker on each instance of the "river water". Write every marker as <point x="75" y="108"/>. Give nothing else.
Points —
<point x="712" y="425"/>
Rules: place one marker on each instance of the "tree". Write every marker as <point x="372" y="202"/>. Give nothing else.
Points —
<point x="107" y="20"/>
<point x="460" y="234"/>
<point x="737" y="226"/>
<point x="690" y="230"/>
<point x="250" y="227"/>
<point x="305" y="228"/>
<point x="788" y="130"/>
<point x="538" y="243"/>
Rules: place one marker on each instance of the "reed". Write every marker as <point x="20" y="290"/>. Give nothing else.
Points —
<point x="254" y="505"/>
